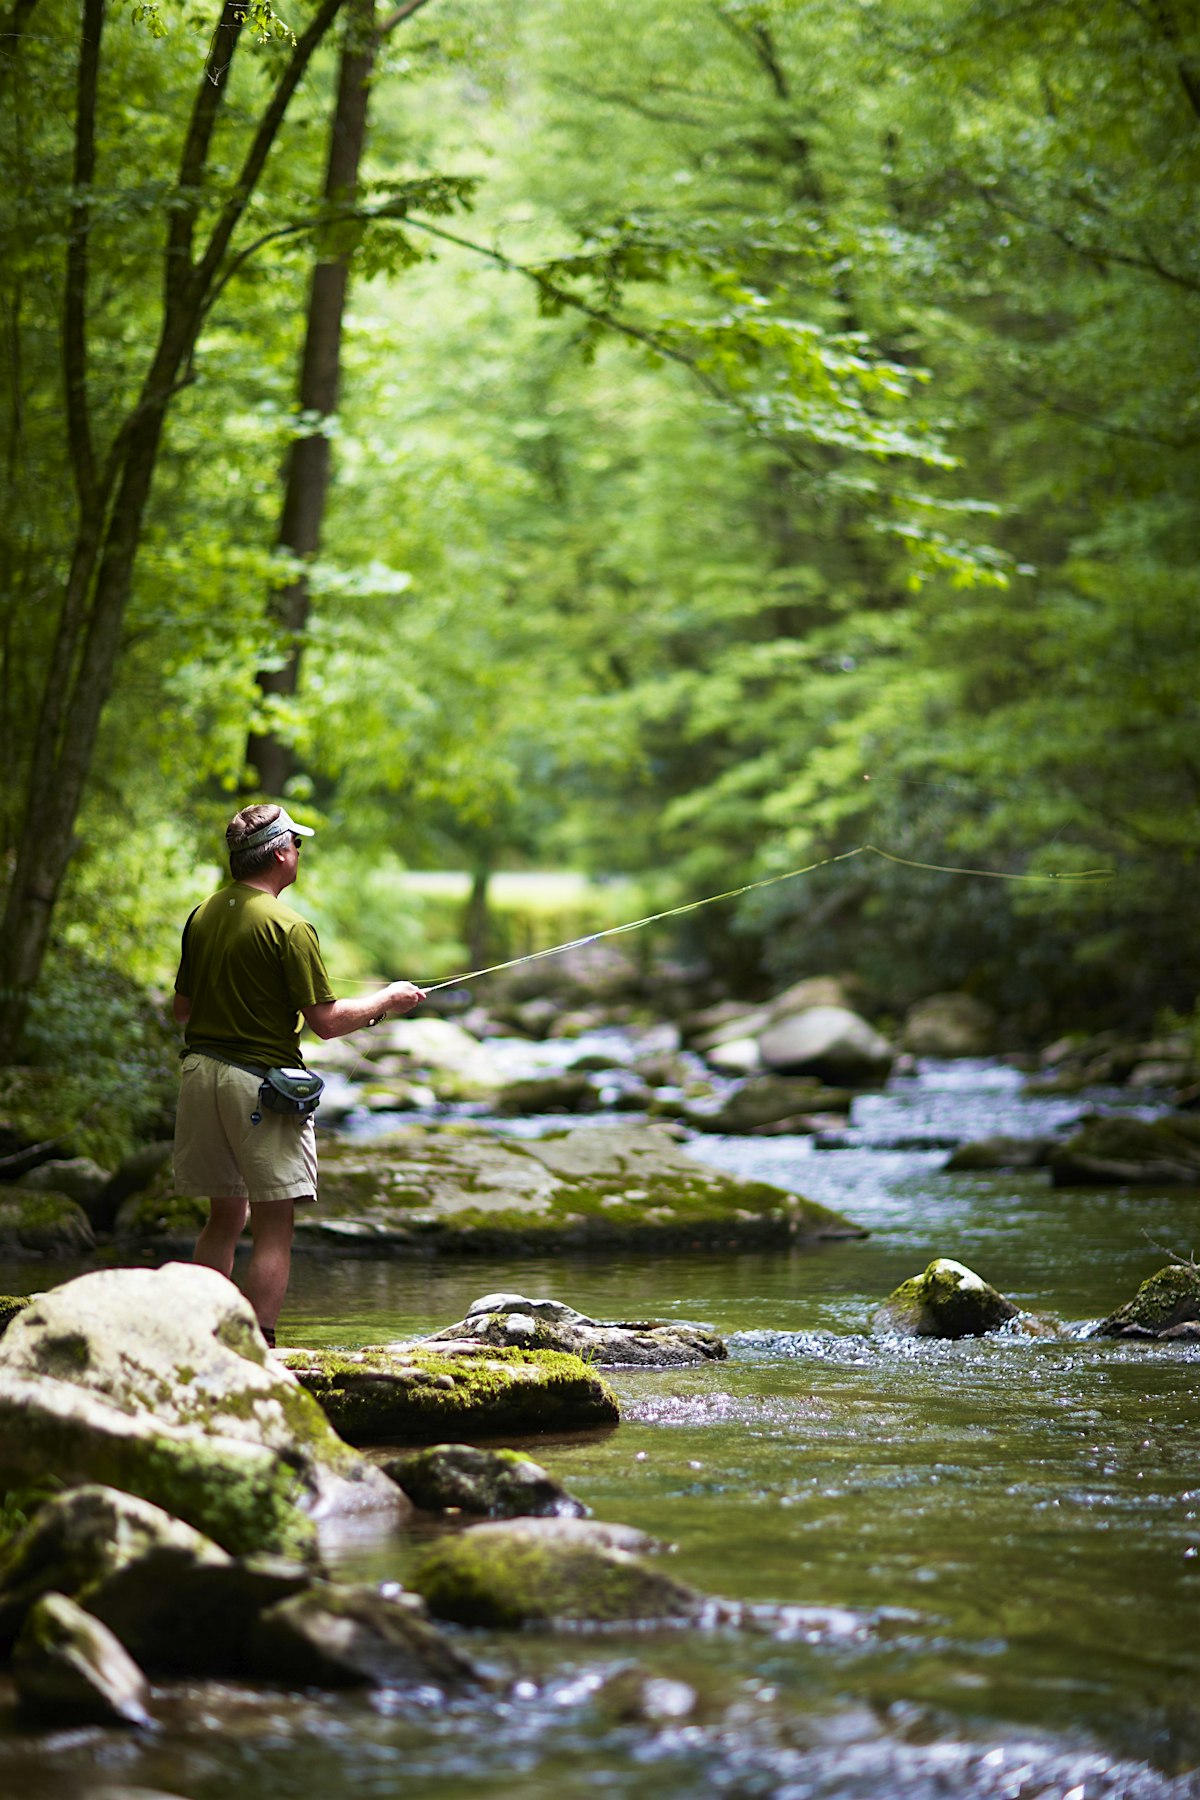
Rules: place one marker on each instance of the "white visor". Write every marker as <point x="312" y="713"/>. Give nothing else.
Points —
<point x="283" y="826"/>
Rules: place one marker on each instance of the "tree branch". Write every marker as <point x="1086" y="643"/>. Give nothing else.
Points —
<point x="398" y="17"/>
<point x="1146" y="264"/>
<point x="194" y="156"/>
<point x="256" y="156"/>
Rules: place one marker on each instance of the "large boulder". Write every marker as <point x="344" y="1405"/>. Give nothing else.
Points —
<point x="462" y="1190"/>
<point x="1167" y="1305"/>
<point x="950" y="1025"/>
<point x="425" y="1393"/>
<point x="71" y="1669"/>
<point x="830" y="1042"/>
<point x="513" y="1319"/>
<point x="493" y="1484"/>
<point x="548" y="1571"/>
<point x="158" y="1382"/>
<point x="1112" y="1151"/>
<point x="946" y="1301"/>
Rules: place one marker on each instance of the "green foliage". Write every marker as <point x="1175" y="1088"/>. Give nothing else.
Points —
<point x="804" y="455"/>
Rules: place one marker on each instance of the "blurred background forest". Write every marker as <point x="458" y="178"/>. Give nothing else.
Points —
<point x="669" y="443"/>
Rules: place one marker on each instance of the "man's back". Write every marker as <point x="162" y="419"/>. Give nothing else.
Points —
<point x="249" y="966"/>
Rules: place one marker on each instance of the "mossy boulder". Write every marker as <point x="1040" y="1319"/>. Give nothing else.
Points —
<point x="494" y="1484"/>
<point x="946" y="1301"/>
<point x="157" y="1382"/>
<point x="345" y="1636"/>
<point x="1112" y="1151"/>
<point x="546" y="1572"/>
<point x="1167" y="1305"/>
<point x="426" y="1394"/>
<point x="157" y="1213"/>
<point x="71" y="1669"/>
<point x="176" y="1601"/>
<point x="514" y="1320"/>
<point x="43" y="1223"/>
<point x="469" y="1191"/>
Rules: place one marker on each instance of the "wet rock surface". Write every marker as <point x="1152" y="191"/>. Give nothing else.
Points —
<point x="947" y="1300"/>
<point x="495" y="1484"/>
<point x="158" y="1382"/>
<point x="70" y="1668"/>
<point x="514" y="1319"/>
<point x="334" y="1635"/>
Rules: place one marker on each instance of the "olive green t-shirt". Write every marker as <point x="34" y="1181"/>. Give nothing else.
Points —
<point x="249" y="965"/>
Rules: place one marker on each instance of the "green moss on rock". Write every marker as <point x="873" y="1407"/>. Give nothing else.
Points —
<point x="507" y="1577"/>
<point x="468" y="1191"/>
<point x="417" y="1396"/>
<point x="945" y="1301"/>
<point x="1167" y="1302"/>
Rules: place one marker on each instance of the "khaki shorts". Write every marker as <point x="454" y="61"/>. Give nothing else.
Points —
<point x="219" y="1153"/>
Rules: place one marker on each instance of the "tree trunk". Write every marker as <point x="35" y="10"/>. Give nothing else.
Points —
<point x="308" y="466"/>
<point x="477" y="920"/>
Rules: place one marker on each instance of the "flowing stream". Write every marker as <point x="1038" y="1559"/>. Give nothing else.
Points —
<point x="973" y="1568"/>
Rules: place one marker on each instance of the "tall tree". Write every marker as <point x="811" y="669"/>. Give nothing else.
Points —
<point x="112" y="453"/>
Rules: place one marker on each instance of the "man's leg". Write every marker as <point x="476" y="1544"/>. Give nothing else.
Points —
<point x="271" y="1226"/>
<point x="217" y="1242"/>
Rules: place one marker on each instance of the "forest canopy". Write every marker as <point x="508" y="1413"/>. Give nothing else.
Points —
<point x="676" y="443"/>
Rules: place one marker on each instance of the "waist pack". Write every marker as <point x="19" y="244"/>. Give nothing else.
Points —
<point x="295" y="1091"/>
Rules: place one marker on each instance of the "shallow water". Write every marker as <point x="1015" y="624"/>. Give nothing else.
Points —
<point x="977" y="1564"/>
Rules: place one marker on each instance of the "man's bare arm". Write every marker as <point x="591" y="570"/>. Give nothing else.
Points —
<point x="335" y="1018"/>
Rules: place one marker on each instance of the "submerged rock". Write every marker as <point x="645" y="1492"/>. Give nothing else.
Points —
<point x="496" y="1484"/>
<point x="469" y="1191"/>
<point x="542" y="1571"/>
<point x="946" y="1301"/>
<point x="1167" y="1305"/>
<point x="72" y="1669"/>
<point x="157" y="1382"/>
<point x="512" y="1319"/>
<point x="426" y="1393"/>
<point x="1130" y="1152"/>
<point x="344" y="1636"/>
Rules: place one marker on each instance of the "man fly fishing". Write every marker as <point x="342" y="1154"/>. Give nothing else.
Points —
<point x="245" y="1135"/>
